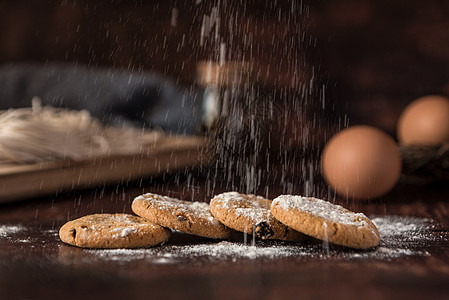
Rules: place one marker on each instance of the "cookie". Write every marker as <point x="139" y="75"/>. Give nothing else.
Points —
<point x="112" y="231"/>
<point x="251" y="213"/>
<point x="326" y="221"/>
<point x="186" y="216"/>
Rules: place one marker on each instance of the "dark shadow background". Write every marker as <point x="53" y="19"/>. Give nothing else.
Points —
<point x="373" y="56"/>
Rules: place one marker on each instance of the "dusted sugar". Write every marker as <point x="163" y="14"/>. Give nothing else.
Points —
<point x="191" y="217"/>
<point x="401" y="237"/>
<point x="6" y="230"/>
<point x="321" y="208"/>
<point x="251" y="214"/>
<point x="174" y="205"/>
<point x="326" y="221"/>
<point x="258" y="211"/>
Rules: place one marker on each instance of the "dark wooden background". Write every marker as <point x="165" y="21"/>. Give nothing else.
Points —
<point x="373" y="57"/>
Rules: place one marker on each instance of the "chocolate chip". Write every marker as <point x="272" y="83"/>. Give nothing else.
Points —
<point x="73" y="231"/>
<point x="263" y="230"/>
<point x="182" y="218"/>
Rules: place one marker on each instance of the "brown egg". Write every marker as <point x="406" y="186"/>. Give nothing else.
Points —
<point x="361" y="162"/>
<point x="425" y="121"/>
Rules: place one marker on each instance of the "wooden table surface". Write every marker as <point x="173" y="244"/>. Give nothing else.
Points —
<point x="35" y="264"/>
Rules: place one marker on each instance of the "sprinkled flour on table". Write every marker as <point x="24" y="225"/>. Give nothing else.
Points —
<point x="404" y="231"/>
<point x="7" y="230"/>
<point x="399" y="238"/>
<point x="212" y="252"/>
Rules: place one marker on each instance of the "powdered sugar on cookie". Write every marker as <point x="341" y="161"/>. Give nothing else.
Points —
<point x="112" y="231"/>
<point x="173" y="205"/>
<point x="256" y="212"/>
<point x="326" y="221"/>
<point x="123" y="231"/>
<point x="320" y="208"/>
<point x="191" y="217"/>
<point x="250" y="214"/>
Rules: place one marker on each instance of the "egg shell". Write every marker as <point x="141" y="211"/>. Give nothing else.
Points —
<point x="361" y="162"/>
<point x="425" y="121"/>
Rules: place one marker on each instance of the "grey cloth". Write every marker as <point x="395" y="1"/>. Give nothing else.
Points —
<point x="116" y="97"/>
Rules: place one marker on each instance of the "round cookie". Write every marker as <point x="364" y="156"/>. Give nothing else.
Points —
<point x="112" y="231"/>
<point x="326" y="221"/>
<point x="248" y="213"/>
<point x="186" y="216"/>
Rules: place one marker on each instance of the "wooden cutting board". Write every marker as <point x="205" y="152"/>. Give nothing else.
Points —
<point x="18" y="182"/>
